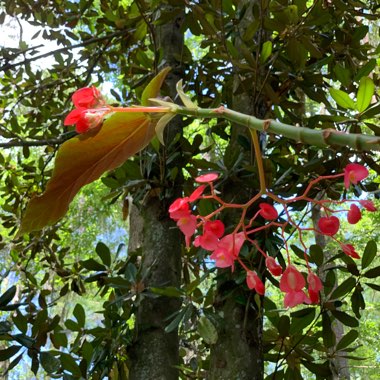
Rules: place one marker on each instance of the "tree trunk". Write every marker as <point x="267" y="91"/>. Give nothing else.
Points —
<point x="338" y="364"/>
<point x="155" y="353"/>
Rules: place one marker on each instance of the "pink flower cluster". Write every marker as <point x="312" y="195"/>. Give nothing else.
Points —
<point x="88" y="113"/>
<point x="224" y="248"/>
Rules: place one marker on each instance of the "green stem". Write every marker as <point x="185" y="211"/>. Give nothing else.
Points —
<point x="321" y="138"/>
<point x="259" y="160"/>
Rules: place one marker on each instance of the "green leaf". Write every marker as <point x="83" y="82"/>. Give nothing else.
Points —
<point x="104" y="253"/>
<point x="49" y="362"/>
<point x="185" y="98"/>
<point x="266" y="51"/>
<point x="365" y="93"/>
<point x="80" y="314"/>
<point x="169" y="291"/>
<point x="347" y="339"/>
<point x="369" y="253"/>
<point x="302" y="319"/>
<point x="342" y="98"/>
<point x="283" y="326"/>
<point x="207" y="330"/>
<point x="92" y="264"/>
<point x="152" y="90"/>
<point x="345" y="287"/>
<point x="373" y="286"/>
<point x="69" y="364"/>
<point x="316" y="254"/>
<point x="161" y="124"/>
<point x="9" y="352"/>
<point x="7" y="296"/>
<point x="372" y="273"/>
<point x="346" y="319"/>
<point x="328" y="334"/>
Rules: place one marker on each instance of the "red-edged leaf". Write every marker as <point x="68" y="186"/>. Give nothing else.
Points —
<point x="82" y="160"/>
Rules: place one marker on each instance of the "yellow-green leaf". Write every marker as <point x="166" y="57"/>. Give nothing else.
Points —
<point x="266" y="51"/>
<point x="365" y="93"/>
<point x="342" y="98"/>
<point x="82" y="160"/>
<point x="153" y="88"/>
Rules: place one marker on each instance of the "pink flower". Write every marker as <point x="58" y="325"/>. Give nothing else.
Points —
<point x="87" y="97"/>
<point x="207" y="241"/>
<point x="254" y="282"/>
<point x="368" y="205"/>
<point x="207" y="178"/>
<point x="292" y="282"/>
<point x="349" y="250"/>
<point x="272" y="266"/>
<point x="196" y="194"/>
<point x="314" y="287"/>
<point x="179" y="208"/>
<point x="353" y="173"/>
<point x="228" y="249"/>
<point x="354" y="215"/>
<point x="268" y="211"/>
<point x="187" y="224"/>
<point x="329" y="225"/>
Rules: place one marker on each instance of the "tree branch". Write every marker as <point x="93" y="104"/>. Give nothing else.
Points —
<point x="90" y="41"/>
<point x="49" y="142"/>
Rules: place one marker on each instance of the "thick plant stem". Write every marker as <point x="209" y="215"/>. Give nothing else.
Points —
<point x="321" y="138"/>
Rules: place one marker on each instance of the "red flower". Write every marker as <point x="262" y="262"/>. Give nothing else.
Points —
<point x="215" y="227"/>
<point x="254" y="282"/>
<point x="196" y="194"/>
<point x="179" y="208"/>
<point x="349" y="250"/>
<point x="87" y="97"/>
<point x="272" y="266"/>
<point x="368" y="205"/>
<point x="314" y="287"/>
<point x="206" y="178"/>
<point x="86" y="116"/>
<point x="353" y="173"/>
<point x="268" y="211"/>
<point x="292" y="282"/>
<point x="354" y="215"/>
<point x="329" y="225"/>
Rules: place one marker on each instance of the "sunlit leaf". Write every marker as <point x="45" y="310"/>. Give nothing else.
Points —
<point x="369" y="253"/>
<point x="207" y="330"/>
<point x="266" y="51"/>
<point x="342" y="98"/>
<point x="365" y="93"/>
<point x="153" y="88"/>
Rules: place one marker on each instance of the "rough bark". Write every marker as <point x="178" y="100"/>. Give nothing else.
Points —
<point x="339" y="365"/>
<point x="154" y="353"/>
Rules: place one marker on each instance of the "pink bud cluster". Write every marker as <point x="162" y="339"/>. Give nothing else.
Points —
<point x="208" y="232"/>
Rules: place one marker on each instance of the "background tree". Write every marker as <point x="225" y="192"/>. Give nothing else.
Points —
<point x="275" y="60"/>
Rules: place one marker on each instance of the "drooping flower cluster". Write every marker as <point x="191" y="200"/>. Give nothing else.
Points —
<point x="208" y="232"/>
<point x="89" y="112"/>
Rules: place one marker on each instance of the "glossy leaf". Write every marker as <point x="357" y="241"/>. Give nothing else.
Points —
<point x="104" y="253"/>
<point x="82" y="160"/>
<point x="365" y="93"/>
<point x="266" y="51"/>
<point x="7" y="296"/>
<point x="207" y="330"/>
<point x="373" y="273"/>
<point x="369" y="254"/>
<point x="347" y="339"/>
<point x="49" y="362"/>
<point x="9" y="352"/>
<point x="345" y="287"/>
<point x="342" y="98"/>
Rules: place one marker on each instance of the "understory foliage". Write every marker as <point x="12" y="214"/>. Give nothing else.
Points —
<point x="311" y="64"/>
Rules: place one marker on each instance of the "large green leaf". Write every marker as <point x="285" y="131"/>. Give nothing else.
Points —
<point x="342" y="98"/>
<point x="365" y="93"/>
